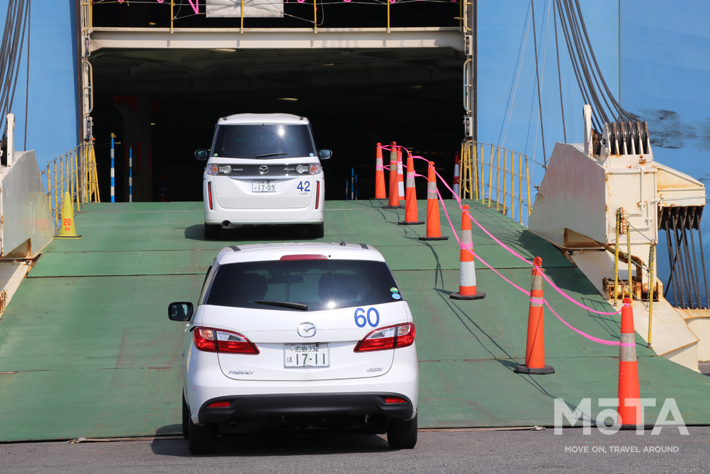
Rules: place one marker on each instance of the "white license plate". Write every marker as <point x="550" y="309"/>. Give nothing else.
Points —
<point x="263" y="186"/>
<point x="306" y="355"/>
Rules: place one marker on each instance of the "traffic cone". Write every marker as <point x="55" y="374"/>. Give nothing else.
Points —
<point x="628" y="369"/>
<point x="467" y="272"/>
<point x="433" y="226"/>
<point x="535" y="350"/>
<point x="400" y="175"/>
<point x="394" y="192"/>
<point x="67" y="229"/>
<point x="411" y="215"/>
<point x="457" y="167"/>
<point x="380" y="190"/>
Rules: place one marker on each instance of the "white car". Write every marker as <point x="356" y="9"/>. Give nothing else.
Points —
<point x="305" y="335"/>
<point x="263" y="169"/>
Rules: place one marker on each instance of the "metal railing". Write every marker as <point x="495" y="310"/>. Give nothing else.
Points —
<point x="497" y="176"/>
<point x="72" y="174"/>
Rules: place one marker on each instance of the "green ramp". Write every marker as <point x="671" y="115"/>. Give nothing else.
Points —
<point x="86" y="348"/>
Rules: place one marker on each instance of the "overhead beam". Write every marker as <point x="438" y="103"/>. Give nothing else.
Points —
<point x="275" y="38"/>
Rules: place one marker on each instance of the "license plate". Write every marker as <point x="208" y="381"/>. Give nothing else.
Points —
<point x="306" y="355"/>
<point x="263" y="186"/>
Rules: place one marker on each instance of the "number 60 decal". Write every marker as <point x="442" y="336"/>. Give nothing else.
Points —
<point x="361" y="320"/>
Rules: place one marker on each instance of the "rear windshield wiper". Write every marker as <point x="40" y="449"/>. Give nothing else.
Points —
<point x="264" y="155"/>
<point x="284" y="304"/>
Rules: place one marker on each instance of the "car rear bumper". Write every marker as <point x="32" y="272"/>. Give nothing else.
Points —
<point x="324" y="404"/>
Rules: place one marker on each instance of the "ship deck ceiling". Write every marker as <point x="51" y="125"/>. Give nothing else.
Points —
<point x="86" y="348"/>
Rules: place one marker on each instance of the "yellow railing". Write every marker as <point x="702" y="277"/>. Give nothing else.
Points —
<point x="629" y="287"/>
<point x="73" y="172"/>
<point x="484" y="178"/>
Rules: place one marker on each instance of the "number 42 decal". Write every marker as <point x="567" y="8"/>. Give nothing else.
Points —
<point x="372" y="317"/>
<point x="304" y="186"/>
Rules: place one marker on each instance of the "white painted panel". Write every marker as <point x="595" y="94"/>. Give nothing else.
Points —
<point x="252" y="8"/>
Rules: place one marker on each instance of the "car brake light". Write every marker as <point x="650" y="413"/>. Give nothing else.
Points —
<point x="387" y="400"/>
<point x="390" y="337"/>
<point x="226" y="404"/>
<point x="209" y="194"/>
<point x="317" y="194"/>
<point x="226" y="341"/>
<point x="303" y="257"/>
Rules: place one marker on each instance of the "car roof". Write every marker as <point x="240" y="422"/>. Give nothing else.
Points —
<point x="261" y="118"/>
<point x="274" y="251"/>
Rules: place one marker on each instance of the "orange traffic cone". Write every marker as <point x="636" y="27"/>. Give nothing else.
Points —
<point x="467" y="272"/>
<point x="380" y="190"/>
<point x="66" y="228"/>
<point x="394" y="192"/>
<point x="433" y="226"/>
<point x="629" y="415"/>
<point x="411" y="215"/>
<point x="400" y="175"/>
<point x="535" y="350"/>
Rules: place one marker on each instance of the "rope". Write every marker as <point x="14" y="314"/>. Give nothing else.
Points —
<point x="27" y="84"/>
<point x="537" y="75"/>
<point x="559" y="73"/>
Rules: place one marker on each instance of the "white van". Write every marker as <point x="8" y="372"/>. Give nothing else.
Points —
<point x="263" y="169"/>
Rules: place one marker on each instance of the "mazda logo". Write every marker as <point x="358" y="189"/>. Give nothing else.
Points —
<point x="306" y="330"/>
<point x="263" y="169"/>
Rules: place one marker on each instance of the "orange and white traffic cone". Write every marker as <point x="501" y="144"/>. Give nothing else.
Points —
<point x="467" y="272"/>
<point x="535" y="350"/>
<point x="433" y="226"/>
<point x="457" y="168"/>
<point x="400" y="175"/>
<point x="629" y="413"/>
<point x="394" y="191"/>
<point x="411" y="214"/>
<point x="380" y="190"/>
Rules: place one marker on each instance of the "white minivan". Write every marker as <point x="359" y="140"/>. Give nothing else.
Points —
<point x="263" y="169"/>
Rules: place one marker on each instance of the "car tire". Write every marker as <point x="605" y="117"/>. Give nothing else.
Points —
<point x="316" y="231"/>
<point x="211" y="232"/>
<point x="203" y="439"/>
<point x="185" y="419"/>
<point x="402" y="434"/>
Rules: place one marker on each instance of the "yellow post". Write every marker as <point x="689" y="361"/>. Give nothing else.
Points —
<point x="315" y="17"/>
<point x="96" y="175"/>
<point x="497" y="177"/>
<point x="172" y="15"/>
<point x="388" y="15"/>
<point x="490" y="177"/>
<point x="527" y="179"/>
<point x="520" y="186"/>
<point x="61" y="175"/>
<point x="628" y="260"/>
<point x="616" y="253"/>
<point x="241" y="27"/>
<point x="482" y="179"/>
<point x="56" y="194"/>
<point x="651" y="262"/>
<point x="505" y="182"/>
<point x="49" y="188"/>
<point x="512" y="185"/>
<point x="476" y="176"/>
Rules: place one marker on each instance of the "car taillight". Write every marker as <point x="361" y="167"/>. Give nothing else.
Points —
<point x="317" y="194"/>
<point x="314" y="168"/>
<point x="304" y="257"/>
<point x="209" y="194"/>
<point x="226" y="404"/>
<point x="390" y="337"/>
<point x="387" y="400"/>
<point x="219" y="340"/>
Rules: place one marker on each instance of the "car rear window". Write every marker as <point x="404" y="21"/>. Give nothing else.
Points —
<point x="263" y="141"/>
<point x="320" y="284"/>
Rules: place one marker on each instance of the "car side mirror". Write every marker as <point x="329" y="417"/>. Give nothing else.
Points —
<point x="202" y="155"/>
<point x="325" y="154"/>
<point x="180" y="311"/>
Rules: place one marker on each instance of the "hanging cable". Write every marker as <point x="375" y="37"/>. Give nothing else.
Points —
<point x="537" y="74"/>
<point x="559" y="73"/>
<point x="11" y="55"/>
<point x="27" y="83"/>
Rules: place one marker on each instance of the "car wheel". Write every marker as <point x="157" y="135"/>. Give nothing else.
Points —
<point x="185" y="419"/>
<point x="203" y="439"/>
<point x="402" y="434"/>
<point x="316" y="231"/>
<point x="211" y="232"/>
